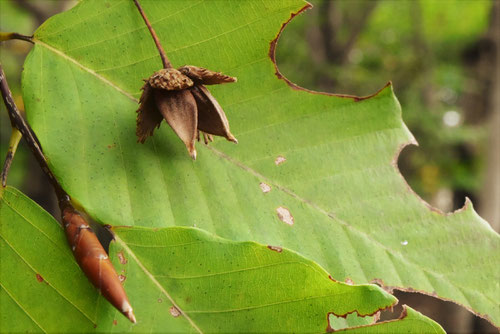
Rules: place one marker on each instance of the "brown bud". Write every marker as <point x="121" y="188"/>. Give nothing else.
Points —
<point x="94" y="261"/>
<point x="179" y="97"/>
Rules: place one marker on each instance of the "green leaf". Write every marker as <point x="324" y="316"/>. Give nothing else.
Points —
<point x="353" y="212"/>
<point x="42" y="287"/>
<point x="185" y="279"/>
<point x="178" y="279"/>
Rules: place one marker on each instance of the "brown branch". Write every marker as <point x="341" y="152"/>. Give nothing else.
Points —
<point x="357" y="28"/>
<point x="335" y="51"/>
<point x="163" y="55"/>
<point x="19" y="123"/>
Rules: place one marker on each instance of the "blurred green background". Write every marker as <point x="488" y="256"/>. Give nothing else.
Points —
<point x="442" y="57"/>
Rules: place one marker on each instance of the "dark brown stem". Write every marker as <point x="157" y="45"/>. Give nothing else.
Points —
<point x="163" y="55"/>
<point x="19" y="123"/>
<point x="6" y="36"/>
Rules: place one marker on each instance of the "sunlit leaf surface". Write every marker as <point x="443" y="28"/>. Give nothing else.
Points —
<point x="179" y="279"/>
<point x="313" y="173"/>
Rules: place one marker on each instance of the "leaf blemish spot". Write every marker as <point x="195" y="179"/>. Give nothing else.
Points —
<point x="284" y="215"/>
<point x="404" y="242"/>
<point x="275" y="248"/>
<point x="349" y="281"/>
<point x="174" y="311"/>
<point x="39" y="278"/>
<point x="265" y="187"/>
<point x="122" y="278"/>
<point x="121" y="257"/>
<point x="115" y="322"/>
<point x="160" y="300"/>
<point x="279" y="160"/>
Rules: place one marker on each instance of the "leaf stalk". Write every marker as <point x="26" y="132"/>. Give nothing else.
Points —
<point x="7" y="36"/>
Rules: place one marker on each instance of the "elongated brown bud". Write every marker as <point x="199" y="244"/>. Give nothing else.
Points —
<point x="94" y="261"/>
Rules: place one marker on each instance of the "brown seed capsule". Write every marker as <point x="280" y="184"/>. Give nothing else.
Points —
<point x="179" y="97"/>
<point x="94" y="261"/>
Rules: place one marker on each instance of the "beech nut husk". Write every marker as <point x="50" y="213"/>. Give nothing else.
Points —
<point x="180" y="97"/>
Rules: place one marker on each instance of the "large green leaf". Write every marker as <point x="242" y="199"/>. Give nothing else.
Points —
<point x="179" y="279"/>
<point x="353" y="212"/>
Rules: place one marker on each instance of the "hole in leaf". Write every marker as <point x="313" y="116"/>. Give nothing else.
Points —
<point x="452" y="317"/>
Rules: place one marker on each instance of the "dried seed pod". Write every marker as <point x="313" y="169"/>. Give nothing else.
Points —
<point x="170" y="79"/>
<point x="147" y="116"/>
<point x="203" y="76"/>
<point x="179" y="110"/>
<point x="180" y="98"/>
<point x="94" y="261"/>
<point x="211" y="117"/>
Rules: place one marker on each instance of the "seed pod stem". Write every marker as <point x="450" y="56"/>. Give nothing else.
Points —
<point x="163" y="55"/>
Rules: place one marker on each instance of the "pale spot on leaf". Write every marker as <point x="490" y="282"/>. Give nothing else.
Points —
<point x="404" y="242"/>
<point x="265" y="187"/>
<point x="275" y="248"/>
<point x="122" y="258"/>
<point x="284" y="215"/>
<point x="122" y="278"/>
<point x="174" y="311"/>
<point x="349" y="281"/>
<point x="279" y="160"/>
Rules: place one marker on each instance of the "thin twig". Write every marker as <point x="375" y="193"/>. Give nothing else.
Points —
<point x="19" y="123"/>
<point x="163" y="55"/>
<point x="13" y="142"/>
